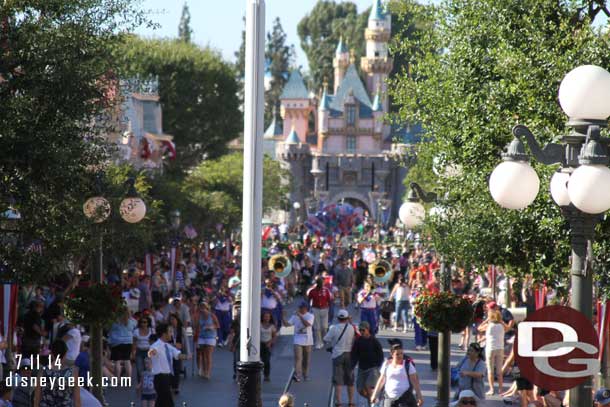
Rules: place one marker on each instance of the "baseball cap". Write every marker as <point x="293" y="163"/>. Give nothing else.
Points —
<point x="303" y="304"/>
<point x="26" y="363"/>
<point x="364" y="325"/>
<point x="467" y="393"/>
<point x="602" y="396"/>
<point x="342" y="314"/>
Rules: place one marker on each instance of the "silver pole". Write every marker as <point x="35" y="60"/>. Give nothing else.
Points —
<point x="249" y="367"/>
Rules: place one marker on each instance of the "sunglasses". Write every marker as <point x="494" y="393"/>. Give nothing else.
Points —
<point x="468" y="402"/>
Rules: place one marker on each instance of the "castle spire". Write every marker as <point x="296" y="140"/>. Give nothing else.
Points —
<point x="377" y="11"/>
<point x="341" y="48"/>
<point x="293" y="137"/>
<point x="377" y="104"/>
<point x="324" y="105"/>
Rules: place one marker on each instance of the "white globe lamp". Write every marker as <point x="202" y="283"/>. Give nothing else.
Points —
<point x="97" y="209"/>
<point x="589" y="188"/>
<point x="296" y="206"/>
<point x="412" y="214"/>
<point x="513" y="183"/>
<point x="583" y="93"/>
<point x="132" y="210"/>
<point x="559" y="188"/>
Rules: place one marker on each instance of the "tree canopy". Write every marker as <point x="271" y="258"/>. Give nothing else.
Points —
<point x="215" y="188"/>
<point x="198" y="94"/>
<point x="280" y="57"/>
<point x="485" y="67"/>
<point x="184" y="28"/>
<point x="55" y="78"/>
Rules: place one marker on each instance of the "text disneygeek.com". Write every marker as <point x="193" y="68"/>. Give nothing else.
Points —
<point x="62" y="382"/>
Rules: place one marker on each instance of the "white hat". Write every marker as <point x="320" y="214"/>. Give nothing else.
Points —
<point x="134" y="293"/>
<point x="464" y="394"/>
<point x="342" y="314"/>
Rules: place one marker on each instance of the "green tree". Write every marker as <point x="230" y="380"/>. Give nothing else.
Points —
<point x="55" y="65"/>
<point x="280" y="57"/>
<point x="215" y="187"/>
<point x="320" y="32"/>
<point x="486" y="66"/>
<point x="198" y="93"/>
<point x="184" y="28"/>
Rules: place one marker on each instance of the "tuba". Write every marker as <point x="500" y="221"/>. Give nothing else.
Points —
<point x="381" y="271"/>
<point x="280" y="265"/>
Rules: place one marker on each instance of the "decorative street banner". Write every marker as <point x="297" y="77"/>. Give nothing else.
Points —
<point x="148" y="264"/>
<point x="172" y="262"/>
<point x="9" y="309"/>
<point x="603" y="325"/>
<point x="557" y="348"/>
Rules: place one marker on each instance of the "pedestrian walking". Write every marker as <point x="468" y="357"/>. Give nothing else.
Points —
<point x="120" y="339"/>
<point x="162" y="354"/>
<point x="344" y="280"/>
<point x="268" y="338"/>
<point x="399" y="379"/>
<point x="340" y="340"/>
<point x="303" y="321"/>
<point x="494" y="329"/>
<point x="141" y="344"/>
<point x="400" y="294"/>
<point x="223" y="308"/>
<point x="206" y="342"/>
<point x="146" y="386"/>
<point x="367" y="354"/>
<point x="368" y="306"/>
<point x="321" y="299"/>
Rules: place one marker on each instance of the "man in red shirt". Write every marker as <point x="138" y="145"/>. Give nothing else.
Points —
<point x="321" y="299"/>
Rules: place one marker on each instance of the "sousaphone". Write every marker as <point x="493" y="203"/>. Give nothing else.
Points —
<point x="381" y="271"/>
<point x="281" y="265"/>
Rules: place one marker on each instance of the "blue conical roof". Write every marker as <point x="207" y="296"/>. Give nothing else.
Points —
<point x="378" y="11"/>
<point x="324" y="103"/>
<point x="341" y="47"/>
<point x="293" y="137"/>
<point x="377" y="105"/>
<point x="295" y="87"/>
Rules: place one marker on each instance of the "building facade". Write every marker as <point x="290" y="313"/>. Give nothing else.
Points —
<point x="338" y="147"/>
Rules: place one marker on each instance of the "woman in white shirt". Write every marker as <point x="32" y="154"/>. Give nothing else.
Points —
<point x="494" y="329"/>
<point x="401" y="294"/>
<point x="399" y="378"/>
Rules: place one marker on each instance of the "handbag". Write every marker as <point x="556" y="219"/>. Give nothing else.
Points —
<point x="330" y="348"/>
<point x="455" y="373"/>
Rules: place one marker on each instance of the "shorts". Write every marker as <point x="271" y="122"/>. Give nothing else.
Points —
<point x="206" y="342"/>
<point x="343" y="374"/>
<point x="494" y="360"/>
<point x="148" y="397"/>
<point x="524" y="384"/>
<point x="367" y="378"/>
<point x="120" y="352"/>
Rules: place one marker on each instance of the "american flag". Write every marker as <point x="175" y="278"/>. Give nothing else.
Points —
<point x="35" y="247"/>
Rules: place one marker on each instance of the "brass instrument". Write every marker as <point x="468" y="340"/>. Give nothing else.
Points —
<point x="381" y="270"/>
<point x="280" y="265"/>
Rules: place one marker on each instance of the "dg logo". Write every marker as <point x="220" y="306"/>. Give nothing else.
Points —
<point x="556" y="348"/>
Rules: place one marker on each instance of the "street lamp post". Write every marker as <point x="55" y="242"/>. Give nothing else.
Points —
<point x="581" y="187"/>
<point x="412" y="214"/>
<point x="97" y="209"/>
<point x="249" y="366"/>
<point x="175" y="224"/>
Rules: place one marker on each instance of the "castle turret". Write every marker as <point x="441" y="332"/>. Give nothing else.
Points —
<point x="378" y="113"/>
<point x="377" y="63"/>
<point x="296" y="106"/>
<point x="293" y="153"/>
<point x="340" y="63"/>
<point x="324" y="112"/>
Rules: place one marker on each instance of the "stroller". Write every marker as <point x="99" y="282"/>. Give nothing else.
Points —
<point x="385" y="311"/>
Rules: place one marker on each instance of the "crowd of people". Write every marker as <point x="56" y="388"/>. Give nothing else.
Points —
<point x="185" y="311"/>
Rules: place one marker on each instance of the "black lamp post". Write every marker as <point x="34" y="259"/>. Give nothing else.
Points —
<point x="412" y="214"/>
<point x="581" y="187"/>
<point x="175" y="220"/>
<point x="97" y="209"/>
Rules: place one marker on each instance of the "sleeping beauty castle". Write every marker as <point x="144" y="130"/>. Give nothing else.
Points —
<point x="338" y="145"/>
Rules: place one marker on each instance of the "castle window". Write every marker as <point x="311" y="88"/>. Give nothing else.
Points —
<point x="350" y="113"/>
<point x="376" y="53"/>
<point x="351" y="144"/>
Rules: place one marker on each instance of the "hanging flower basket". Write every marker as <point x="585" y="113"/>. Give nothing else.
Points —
<point x="97" y="304"/>
<point x="443" y="311"/>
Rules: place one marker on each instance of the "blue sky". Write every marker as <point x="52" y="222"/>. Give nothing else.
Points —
<point x="218" y="23"/>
